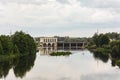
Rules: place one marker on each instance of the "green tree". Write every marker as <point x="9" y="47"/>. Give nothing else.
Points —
<point x="24" y="42"/>
<point x="6" y="44"/>
<point x="15" y="50"/>
<point x="113" y="35"/>
<point x="115" y="47"/>
<point x="96" y="39"/>
<point x="103" y="40"/>
<point x="1" y="48"/>
<point x="31" y="44"/>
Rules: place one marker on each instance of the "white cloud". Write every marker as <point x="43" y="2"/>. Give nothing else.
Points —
<point x="54" y="13"/>
<point x="101" y="3"/>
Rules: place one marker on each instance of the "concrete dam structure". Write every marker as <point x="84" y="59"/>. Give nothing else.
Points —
<point x="52" y="42"/>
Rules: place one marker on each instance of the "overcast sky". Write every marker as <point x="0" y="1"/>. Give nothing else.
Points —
<point x="60" y="17"/>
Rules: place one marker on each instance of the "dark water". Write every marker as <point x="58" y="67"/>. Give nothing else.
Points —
<point x="81" y="65"/>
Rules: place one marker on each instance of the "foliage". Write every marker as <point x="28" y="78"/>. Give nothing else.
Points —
<point x="113" y="35"/>
<point x="96" y="40"/>
<point x="6" y="44"/>
<point x="1" y="48"/>
<point x="101" y="40"/>
<point x="16" y="50"/>
<point x="115" y="47"/>
<point x="24" y="42"/>
<point x="103" y="51"/>
<point x="60" y="53"/>
<point x="17" y="44"/>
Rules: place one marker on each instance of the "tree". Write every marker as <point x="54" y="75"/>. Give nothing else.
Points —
<point x="115" y="47"/>
<point x="15" y="50"/>
<point x="96" y="39"/>
<point x="1" y="48"/>
<point x="6" y="44"/>
<point x="24" y="42"/>
<point x="103" y="40"/>
<point x="113" y="35"/>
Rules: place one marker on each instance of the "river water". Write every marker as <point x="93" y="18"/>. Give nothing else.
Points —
<point x="81" y="65"/>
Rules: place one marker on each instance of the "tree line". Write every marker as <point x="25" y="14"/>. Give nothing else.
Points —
<point x="19" y="43"/>
<point x="107" y="45"/>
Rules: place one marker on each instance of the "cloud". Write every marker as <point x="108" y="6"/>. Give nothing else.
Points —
<point x="54" y="12"/>
<point x="101" y="3"/>
<point x="49" y="14"/>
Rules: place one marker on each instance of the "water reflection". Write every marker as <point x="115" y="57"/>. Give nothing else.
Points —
<point x="101" y="56"/>
<point x="75" y="67"/>
<point x="47" y="51"/>
<point x="4" y="68"/>
<point x="19" y="65"/>
<point x="105" y="57"/>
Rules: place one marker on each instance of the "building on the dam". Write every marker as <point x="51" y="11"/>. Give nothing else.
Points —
<point x="56" y="43"/>
<point x="48" y="42"/>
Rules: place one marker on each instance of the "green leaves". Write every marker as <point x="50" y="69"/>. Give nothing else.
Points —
<point x="24" y="42"/>
<point x="6" y="44"/>
<point x="101" y="40"/>
<point x="1" y="48"/>
<point x="115" y="47"/>
<point x="17" y="44"/>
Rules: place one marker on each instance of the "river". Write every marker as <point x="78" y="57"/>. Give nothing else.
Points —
<point x="81" y="65"/>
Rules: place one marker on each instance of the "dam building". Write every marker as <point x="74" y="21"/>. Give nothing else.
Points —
<point x="52" y="42"/>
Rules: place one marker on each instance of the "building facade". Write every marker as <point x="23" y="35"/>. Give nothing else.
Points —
<point x="49" y="42"/>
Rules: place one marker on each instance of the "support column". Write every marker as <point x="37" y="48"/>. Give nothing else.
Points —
<point x="63" y="46"/>
<point x="83" y="45"/>
<point x="76" y="45"/>
<point x="69" y="45"/>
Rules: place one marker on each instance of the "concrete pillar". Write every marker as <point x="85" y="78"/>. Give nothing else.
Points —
<point x="69" y="45"/>
<point x="76" y="46"/>
<point x="83" y="45"/>
<point x="63" y="45"/>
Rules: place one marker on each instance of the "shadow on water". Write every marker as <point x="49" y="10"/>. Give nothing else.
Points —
<point x="20" y="66"/>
